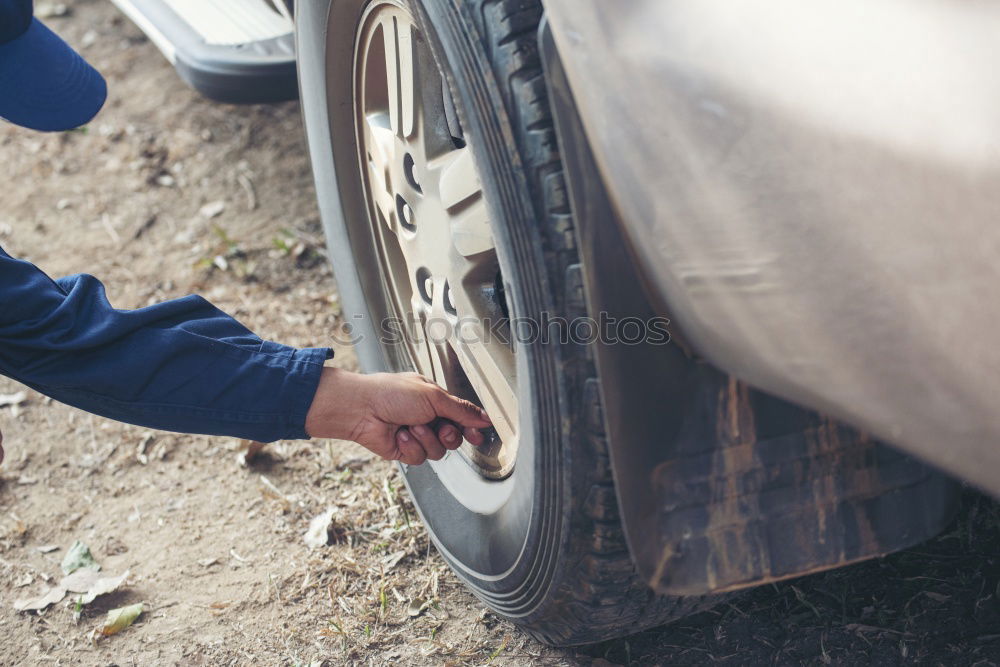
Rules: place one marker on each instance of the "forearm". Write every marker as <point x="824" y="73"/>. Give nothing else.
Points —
<point x="341" y="399"/>
<point x="182" y="365"/>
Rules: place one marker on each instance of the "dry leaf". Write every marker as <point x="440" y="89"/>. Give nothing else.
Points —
<point x="392" y="560"/>
<point x="91" y="584"/>
<point x="417" y="607"/>
<point x="80" y="581"/>
<point x="318" y="534"/>
<point x="49" y="597"/>
<point x="118" y="620"/>
<point x="77" y="557"/>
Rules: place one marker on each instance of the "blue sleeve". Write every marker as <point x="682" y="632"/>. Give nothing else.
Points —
<point x="181" y="365"/>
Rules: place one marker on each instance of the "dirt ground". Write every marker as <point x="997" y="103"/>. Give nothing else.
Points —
<point x="165" y="194"/>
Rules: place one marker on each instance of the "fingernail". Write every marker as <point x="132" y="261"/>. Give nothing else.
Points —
<point x="420" y="431"/>
<point x="485" y="416"/>
<point x="405" y="436"/>
<point x="449" y="436"/>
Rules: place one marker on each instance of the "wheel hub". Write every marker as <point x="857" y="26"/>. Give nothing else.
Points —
<point x="432" y="229"/>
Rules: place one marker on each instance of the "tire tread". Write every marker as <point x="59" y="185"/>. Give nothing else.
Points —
<point x="598" y="595"/>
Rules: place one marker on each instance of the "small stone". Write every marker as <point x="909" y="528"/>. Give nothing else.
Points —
<point x="165" y="180"/>
<point x="212" y="209"/>
<point x="63" y="204"/>
<point x="89" y="39"/>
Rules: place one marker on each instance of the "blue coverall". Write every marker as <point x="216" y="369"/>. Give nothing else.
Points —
<point x="182" y="365"/>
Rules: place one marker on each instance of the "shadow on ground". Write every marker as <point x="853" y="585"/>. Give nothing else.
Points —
<point x="934" y="604"/>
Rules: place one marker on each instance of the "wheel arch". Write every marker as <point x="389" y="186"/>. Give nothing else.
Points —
<point x="676" y="425"/>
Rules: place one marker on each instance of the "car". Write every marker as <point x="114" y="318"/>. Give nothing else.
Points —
<point x="723" y="273"/>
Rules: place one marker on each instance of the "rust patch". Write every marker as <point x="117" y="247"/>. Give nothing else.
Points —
<point x="736" y="436"/>
<point x="737" y="511"/>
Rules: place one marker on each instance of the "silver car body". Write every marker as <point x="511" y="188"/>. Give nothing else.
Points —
<point x="814" y="191"/>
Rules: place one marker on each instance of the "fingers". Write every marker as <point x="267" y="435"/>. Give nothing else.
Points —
<point x="452" y="437"/>
<point x="419" y="443"/>
<point x="449" y="435"/>
<point x="433" y="448"/>
<point x="460" y="411"/>
<point x="410" y="451"/>
<point x="474" y="436"/>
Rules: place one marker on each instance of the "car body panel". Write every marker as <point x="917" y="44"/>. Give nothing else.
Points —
<point x="721" y="486"/>
<point x="812" y="190"/>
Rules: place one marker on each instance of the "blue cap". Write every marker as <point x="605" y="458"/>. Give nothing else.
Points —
<point x="44" y="84"/>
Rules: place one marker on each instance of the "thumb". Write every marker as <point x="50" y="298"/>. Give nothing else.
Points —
<point x="459" y="410"/>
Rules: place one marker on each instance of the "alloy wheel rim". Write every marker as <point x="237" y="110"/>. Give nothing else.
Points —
<point x="432" y="230"/>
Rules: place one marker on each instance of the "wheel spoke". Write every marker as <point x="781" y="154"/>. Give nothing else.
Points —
<point x="470" y="230"/>
<point x="381" y="152"/>
<point x="417" y="339"/>
<point x="407" y="80"/>
<point x="459" y="179"/>
<point x="399" y="56"/>
<point x="492" y="378"/>
<point x="380" y="141"/>
<point x="392" y="69"/>
<point x="462" y="196"/>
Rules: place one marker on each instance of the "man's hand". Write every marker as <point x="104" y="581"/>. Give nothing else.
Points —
<point x="399" y="416"/>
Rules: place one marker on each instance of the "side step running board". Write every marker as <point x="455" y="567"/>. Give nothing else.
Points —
<point x="240" y="51"/>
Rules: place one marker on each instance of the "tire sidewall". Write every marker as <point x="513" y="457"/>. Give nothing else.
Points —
<point x="326" y="46"/>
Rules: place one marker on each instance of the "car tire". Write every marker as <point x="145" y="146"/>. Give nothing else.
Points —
<point x="544" y="546"/>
